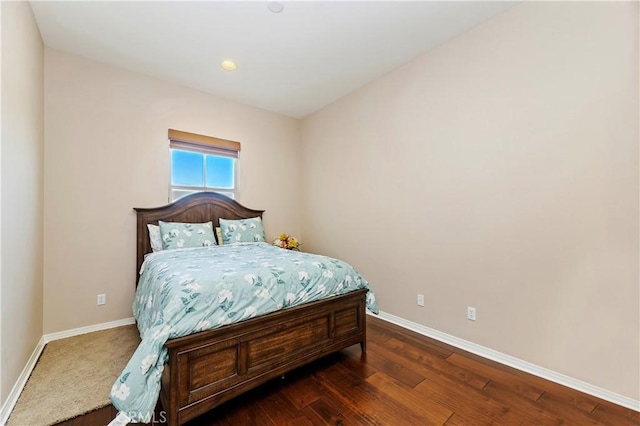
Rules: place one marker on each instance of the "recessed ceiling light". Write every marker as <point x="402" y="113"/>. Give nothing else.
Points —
<point x="229" y="65"/>
<point x="275" y="6"/>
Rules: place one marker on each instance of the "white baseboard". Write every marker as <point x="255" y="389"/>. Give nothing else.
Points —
<point x="6" y="409"/>
<point x="514" y="362"/>
<point x="89" y="329"/>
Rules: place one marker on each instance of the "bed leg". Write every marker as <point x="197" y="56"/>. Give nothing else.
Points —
<point x="363" y="346"/>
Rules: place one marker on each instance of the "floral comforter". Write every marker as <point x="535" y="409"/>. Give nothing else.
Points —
<point x="189" y="290"/>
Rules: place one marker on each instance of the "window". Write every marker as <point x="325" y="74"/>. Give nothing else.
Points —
<point x="202" y="163"/>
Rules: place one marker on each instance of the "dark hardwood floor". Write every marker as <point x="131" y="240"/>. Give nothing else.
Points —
<point x="406" y="379"/>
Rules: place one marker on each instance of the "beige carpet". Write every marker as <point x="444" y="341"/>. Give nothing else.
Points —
<point x="74" y="376"/>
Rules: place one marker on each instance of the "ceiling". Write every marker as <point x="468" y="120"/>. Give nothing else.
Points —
<point x="293" y="63"/>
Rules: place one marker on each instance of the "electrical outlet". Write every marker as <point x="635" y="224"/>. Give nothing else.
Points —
<point x="102" y="299"/>
<point x="421" y="300"/>
<point x="471" y="313"/>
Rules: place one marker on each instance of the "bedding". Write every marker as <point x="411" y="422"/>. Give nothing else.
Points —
<point x="154" y="237"/>
<point x="184" y="235"/>
<point x="242" y="230"/>
<point x="190" y="290"/>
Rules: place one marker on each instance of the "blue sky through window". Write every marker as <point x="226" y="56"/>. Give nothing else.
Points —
<point x="187" y="169"/>
<point x="220" y="172"/>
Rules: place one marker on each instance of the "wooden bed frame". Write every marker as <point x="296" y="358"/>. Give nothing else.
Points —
<point x="208" y="368"/>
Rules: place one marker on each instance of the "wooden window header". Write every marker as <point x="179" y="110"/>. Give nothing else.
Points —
<point x="204" y="144"/>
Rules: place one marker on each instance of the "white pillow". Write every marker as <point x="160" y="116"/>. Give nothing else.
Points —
<point x="154" y="237"/>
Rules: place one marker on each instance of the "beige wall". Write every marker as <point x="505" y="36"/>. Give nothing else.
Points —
<point x="106" y="152"/>
<point x="22" y="191"/>
<point x="500" y="171"/>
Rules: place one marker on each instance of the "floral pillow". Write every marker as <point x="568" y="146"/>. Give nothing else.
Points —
<point x="242" y="231"/>
<point x="154" y="237"/>
<point x="182" y="235"/>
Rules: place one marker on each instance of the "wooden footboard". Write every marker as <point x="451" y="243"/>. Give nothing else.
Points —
<point x="208" y="368"/>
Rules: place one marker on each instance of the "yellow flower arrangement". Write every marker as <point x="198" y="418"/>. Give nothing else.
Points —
<point x="288" y="242"/>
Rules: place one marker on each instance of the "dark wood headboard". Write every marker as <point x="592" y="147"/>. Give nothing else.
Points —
<point x="195" y="208"/>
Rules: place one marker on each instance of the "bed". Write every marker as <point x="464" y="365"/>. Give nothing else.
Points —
<point x="208" y="368"/>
